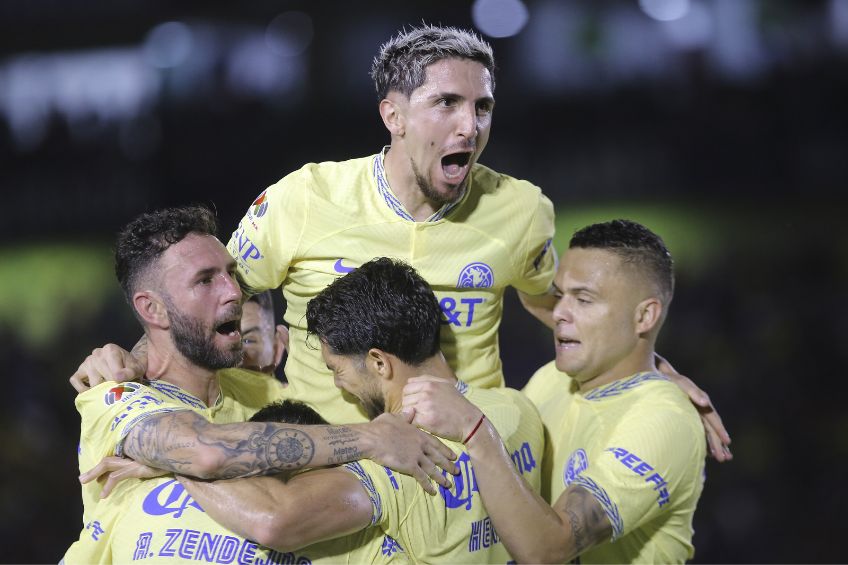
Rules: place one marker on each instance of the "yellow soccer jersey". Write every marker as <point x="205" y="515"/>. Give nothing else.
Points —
<point x="156" y="521"/>
<point x="109" y="411"/>
<point x="637" y="445"/>
<point x="325" y="219"/>
<point x="453" y="526"/>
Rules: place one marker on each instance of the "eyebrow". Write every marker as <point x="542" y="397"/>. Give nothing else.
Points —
<point x="208" y="272"/>
<point x="250" y="330"/>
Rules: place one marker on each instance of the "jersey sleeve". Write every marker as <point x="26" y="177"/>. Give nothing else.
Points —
<point x="537" y="259"/>
<point x="110" y="410"/>
<point x="650" y="460"/>
<point x="267" y="237"/>
<point x="391" y="494"/>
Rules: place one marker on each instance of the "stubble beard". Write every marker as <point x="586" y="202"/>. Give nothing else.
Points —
<point x="427" y="189"/>
<point x="193" y="340"/>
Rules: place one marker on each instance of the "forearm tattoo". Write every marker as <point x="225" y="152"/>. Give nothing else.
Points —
<point x="339" y="438"/>
<point x="173" y="441"/>
<point x="588" y="521"/>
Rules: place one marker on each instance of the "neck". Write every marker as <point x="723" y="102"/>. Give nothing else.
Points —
<point x="435" y="366"/>
<point x="403" y="184"/>
<point x="165" y="363"/>
<point x="639" y="360"/>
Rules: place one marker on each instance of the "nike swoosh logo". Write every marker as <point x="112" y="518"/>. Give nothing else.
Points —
<point x="341" y="268"/>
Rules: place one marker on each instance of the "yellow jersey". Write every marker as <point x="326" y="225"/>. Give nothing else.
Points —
<point x="155" y="521"/>
<point x="110" y="410"/>
<point x="325" y="219"/>
<point x="453" y="526"/>
<point x="637" y="445"/>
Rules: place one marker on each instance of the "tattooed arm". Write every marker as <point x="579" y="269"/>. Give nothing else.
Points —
<point x="532" y="530"/>
<point x="184" y="442"/>
<point x="310" y="507"/>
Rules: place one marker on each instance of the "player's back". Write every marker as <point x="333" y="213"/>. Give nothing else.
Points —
<point x="156" y="521"/>
<point x="454" y="526"/>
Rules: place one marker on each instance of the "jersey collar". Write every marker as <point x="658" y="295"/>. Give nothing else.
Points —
<point x="392" y="201"/>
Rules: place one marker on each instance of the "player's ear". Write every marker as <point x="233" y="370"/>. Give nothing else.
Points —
<point x="151" y="308"/>
<point x="648" y="314"/>
<point x="281" y="343"/>
<point x="378" y="363"/>
<point x="391" y="112"/>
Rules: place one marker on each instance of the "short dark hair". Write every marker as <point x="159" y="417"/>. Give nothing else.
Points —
<point x="289" y="412"/>
<point x="384" y="304"/>
<point x="402" y="61"/>
<point x="636" y="245"/>
<point x="145" y="238"/>
<point x="264" y="300"/>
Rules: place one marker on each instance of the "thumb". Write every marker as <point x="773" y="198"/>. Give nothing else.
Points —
<point x="408" y="414"/>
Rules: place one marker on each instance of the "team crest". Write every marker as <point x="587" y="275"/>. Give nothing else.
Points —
<point x="260" y="205"/>
<point x="476" y="275"/>
<point x="577" y="463"/>
<point x="116" y="393"/>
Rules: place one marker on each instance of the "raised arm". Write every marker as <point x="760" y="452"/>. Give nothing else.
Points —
<point x="532" y="530"/>
<point x="111" y="363"/>
<point x="541" y="306"/>
<point x="310" y="507"/>
<point x="184" y="442"/>
<point x="529" y="527"/>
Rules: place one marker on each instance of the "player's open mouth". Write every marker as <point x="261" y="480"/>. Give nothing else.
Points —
<point x="230" y="329"/>
<point x="455" y="165"/>
<point x="567" y="343"/>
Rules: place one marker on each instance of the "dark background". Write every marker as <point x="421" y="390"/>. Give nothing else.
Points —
<point x="721" y="125"/>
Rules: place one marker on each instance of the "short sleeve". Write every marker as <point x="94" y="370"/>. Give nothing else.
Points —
<point x="650" y="460"/>
<point x="390" y="494"/>
<point x="267" y="237"/>
<point x="110" y="410"/>
<point x="537" y="260"/>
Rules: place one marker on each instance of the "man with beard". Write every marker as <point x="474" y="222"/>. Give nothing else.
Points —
<point x="471" y="232"/>
<point x="624" y="461"/>
<point x="157" y="521"/>
<point x="181" y="284"/>
<point x="378" y="327"/>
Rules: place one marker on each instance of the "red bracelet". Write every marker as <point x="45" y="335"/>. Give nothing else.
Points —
<point x="474" y="431"/>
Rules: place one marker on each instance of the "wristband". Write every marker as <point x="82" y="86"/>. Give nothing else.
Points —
<point x="474" y="431"/>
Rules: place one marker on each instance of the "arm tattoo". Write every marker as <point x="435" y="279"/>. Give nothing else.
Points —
<point x="588" y="521"/>
<point x="338" y="437"/>
<point x="174" y="441"/>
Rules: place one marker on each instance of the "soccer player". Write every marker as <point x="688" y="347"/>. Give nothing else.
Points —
<point x="155" y="520"/>
<point x="470" y="231"/>
<point x="625" y="461"/>
<point x="263" y="343"/>
<point x="181" y="283"/>
<point x="378" y="327"/>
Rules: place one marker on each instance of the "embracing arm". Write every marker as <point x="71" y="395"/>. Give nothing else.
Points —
<point x="184" y="442"/>
<point x="310" y="507"/>
<point x="541" y="306"/>
<point x="531" y="530"/>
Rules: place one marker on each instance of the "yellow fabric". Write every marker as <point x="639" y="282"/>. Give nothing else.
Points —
<point x="157" y="521"/>
<point x="325" y="219"/>
<point x="453" y="526"/>
<point x="637" y="445"/>
<point x="109" y="411"/>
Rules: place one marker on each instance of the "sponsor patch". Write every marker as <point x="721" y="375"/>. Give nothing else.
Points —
<point x="260" y="205"/>
<point x="121" y="391"/>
